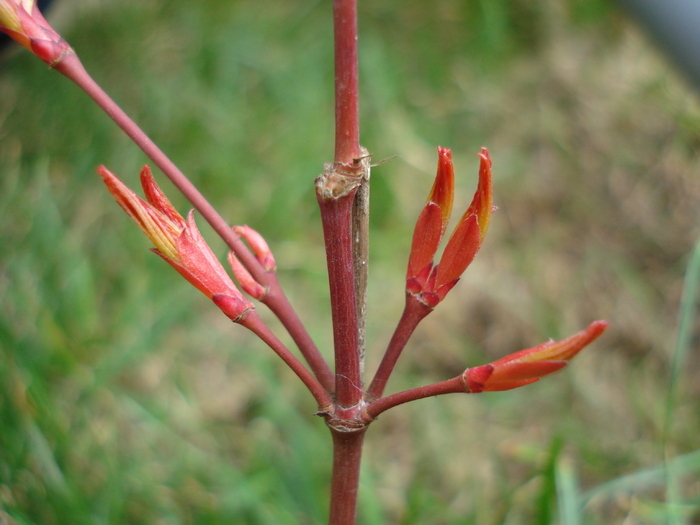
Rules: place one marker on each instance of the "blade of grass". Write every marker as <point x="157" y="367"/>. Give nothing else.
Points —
<point x="567" y="492"/>
<point x="686" y="314"/>
<point x="547" y="494"/>
<point x="685" y="464"/>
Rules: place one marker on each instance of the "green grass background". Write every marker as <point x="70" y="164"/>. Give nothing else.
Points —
<point x="126" y="398"/>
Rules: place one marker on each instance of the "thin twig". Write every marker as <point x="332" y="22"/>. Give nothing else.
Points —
<point x="71" y="67"/>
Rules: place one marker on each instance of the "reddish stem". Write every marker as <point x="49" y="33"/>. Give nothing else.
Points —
<point x="413" y="313"/>
<point x="253" y="322"/>
<point x="347" y="113"/>
<point x="278" y="303"/>
<point x="451" y="386"/>
<point x="347" y="455"/>
<point x="71" y="67"/>
<point x="336" y="190"/>
<point x="335" y="215"/>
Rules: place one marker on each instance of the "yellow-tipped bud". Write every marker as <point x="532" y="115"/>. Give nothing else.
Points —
<point x="178" y="241"/>
<point x="24" y="23"/>
<point x="9" y="13"/>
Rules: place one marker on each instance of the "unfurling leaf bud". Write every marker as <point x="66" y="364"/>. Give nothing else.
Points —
<point x="528" y="366"/>
<point x="22" y="21"/>
<point x="258" y="245"/>
<point x="426" y="281"/>
<point x="178" y="241"/>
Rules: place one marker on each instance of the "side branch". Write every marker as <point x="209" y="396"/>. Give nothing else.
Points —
<point x="277" y="301"/>
<point x="253" y="322"/>
<point x="451" y="386"/>
<point x="413" y="313"/>
<point x="71" y="67"/>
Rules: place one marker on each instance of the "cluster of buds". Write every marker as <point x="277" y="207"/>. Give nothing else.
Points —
<point x="178" y="242"/>
<point x="341" y="399"/>
<point x="24" y="23"/>
<point x="429" y="282"/>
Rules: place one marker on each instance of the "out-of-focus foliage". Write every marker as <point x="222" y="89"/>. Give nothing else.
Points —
<point x="126" y="398"/>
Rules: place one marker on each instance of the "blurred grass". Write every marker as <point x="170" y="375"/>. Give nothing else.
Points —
<point x="125" y="398"/>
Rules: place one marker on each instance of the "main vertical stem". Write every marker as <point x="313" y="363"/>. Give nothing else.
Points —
<point x="336" y="190"/>
<point x="347" y="113"/>
<point x="335" y="216"/>
<point x="347" y="453"/>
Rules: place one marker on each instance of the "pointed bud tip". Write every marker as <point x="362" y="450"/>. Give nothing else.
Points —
<point x="598" y="326"/>
<point x="120" y="191"/>
<point x="435" y="215"/>
<point x="527" y="366"/>
<point x="258" y="246"/>
<point x="157" y="198"/>
<point x="104" y="172"/>
<point x="442" y="192"/>
<point x="146" y="175"/>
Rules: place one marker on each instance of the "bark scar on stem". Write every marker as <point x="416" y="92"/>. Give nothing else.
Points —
<point x="346" y="420"/>
<point x="338" y="180"/>
<point x="360" y="252"/>
<point x="335" y="182"/>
